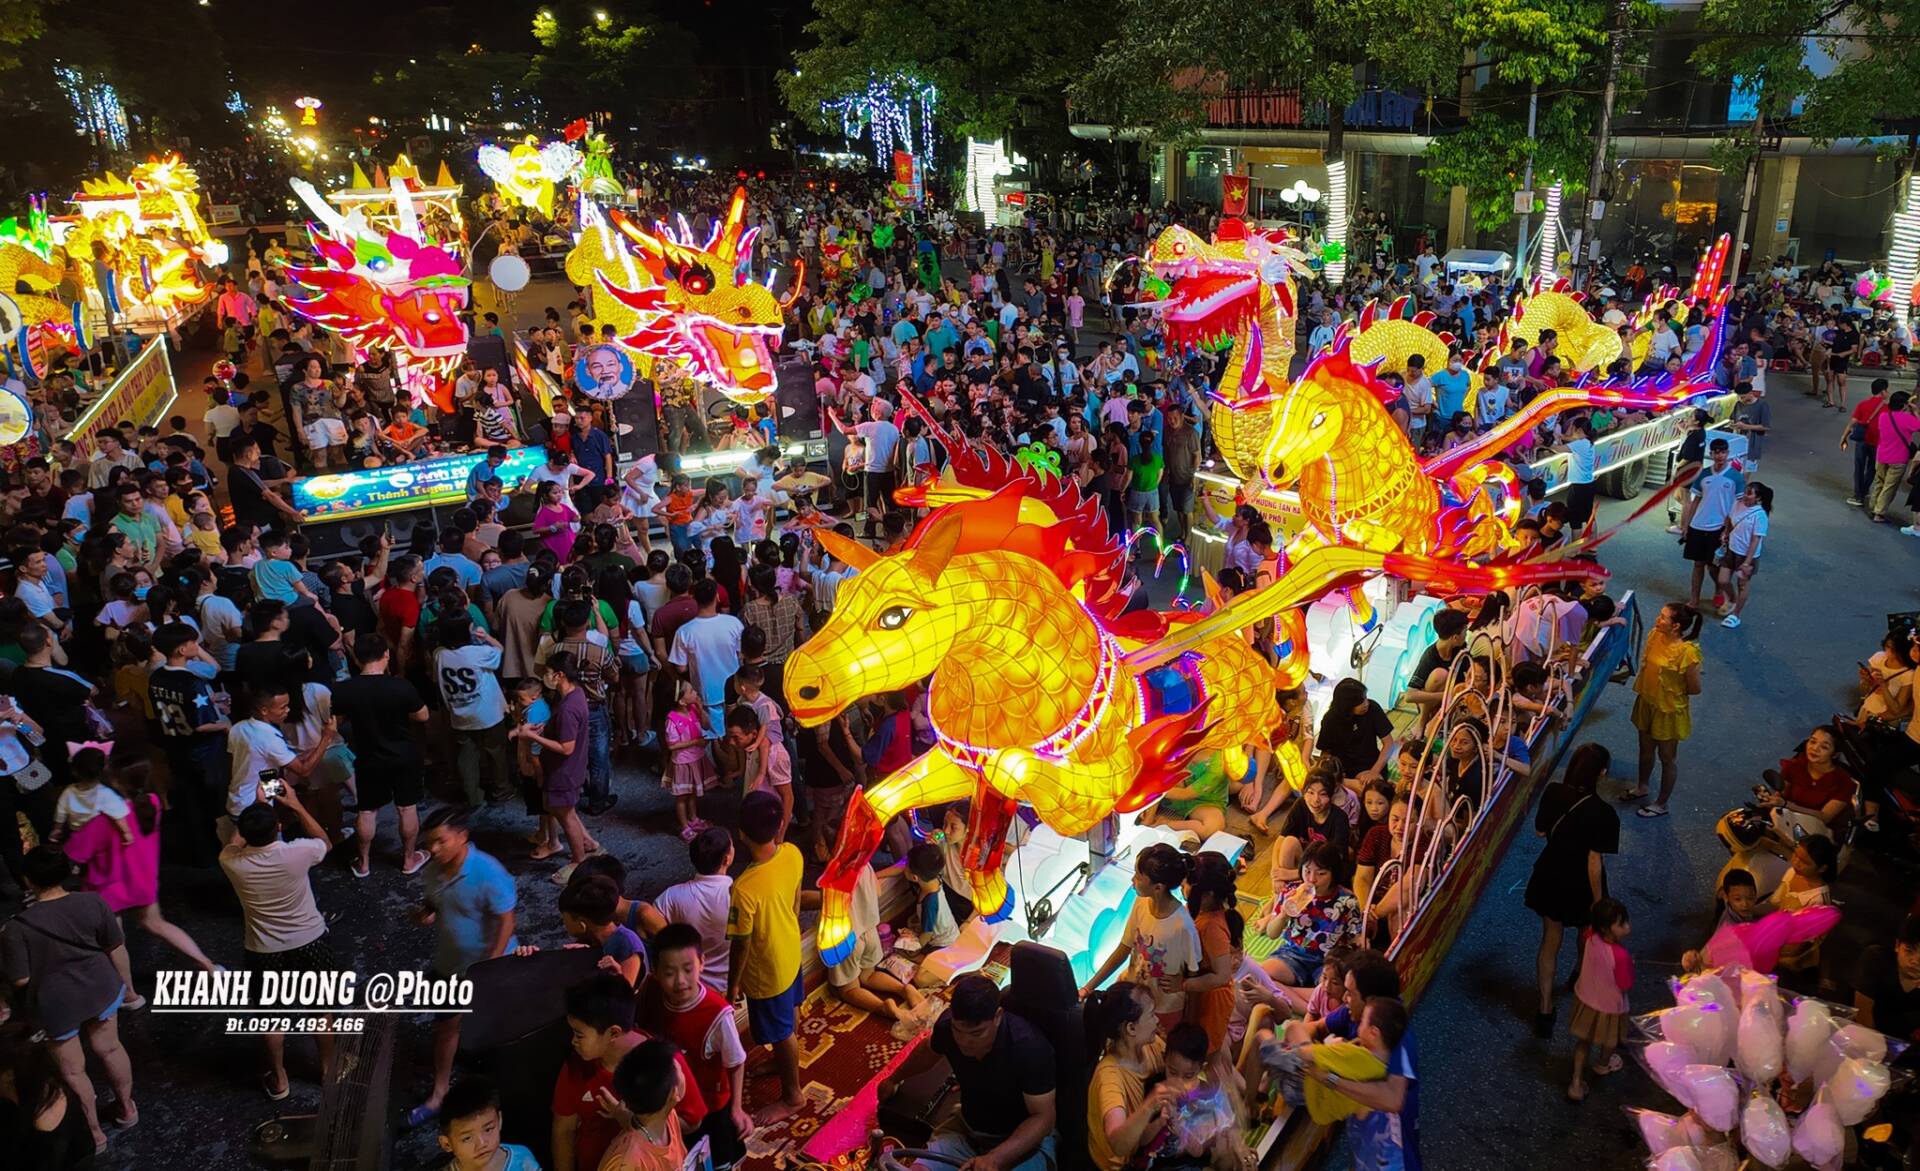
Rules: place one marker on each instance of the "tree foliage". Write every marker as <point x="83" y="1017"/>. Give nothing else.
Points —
<point x="1000" y="66"/>
<point x="1144" y="74"/>
<point x="1872" y="87"/>
<point x="1558" y="46"/>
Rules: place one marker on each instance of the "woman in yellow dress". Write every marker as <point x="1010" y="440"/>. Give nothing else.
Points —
<point x="1663" y="693"/>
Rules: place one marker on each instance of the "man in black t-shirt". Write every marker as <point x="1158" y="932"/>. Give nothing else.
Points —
<point x="379" y="711"/>
<point x="1886" y="993"/>
<point x="193" y="733"/>
<point x="1005" y="1070"/>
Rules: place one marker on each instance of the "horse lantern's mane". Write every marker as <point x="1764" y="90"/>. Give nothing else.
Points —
<point x="1079" y="547"/>
<point x="1336" y="363"/>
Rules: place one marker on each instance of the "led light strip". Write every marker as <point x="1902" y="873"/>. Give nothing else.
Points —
<point x="1546" y="269"/>
<point x="1903" y="257"/>
<point x="1337" y="218"/>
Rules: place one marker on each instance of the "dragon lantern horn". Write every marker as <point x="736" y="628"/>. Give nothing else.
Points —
<point x="729" y="242"/>
<point x="403" y="204"/>
<point x="846" y="549"/>
<point x="321" y="209"/>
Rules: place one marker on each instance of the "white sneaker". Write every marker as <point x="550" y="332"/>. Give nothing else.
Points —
<point x="1731" y="621"/>
<point x="1910" y="531"/>
<point x="1674" y="530"/>
<point x="1856" y="501"/>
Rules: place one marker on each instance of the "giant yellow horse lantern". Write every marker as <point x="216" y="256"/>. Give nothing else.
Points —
<point x="1009" y="601"/>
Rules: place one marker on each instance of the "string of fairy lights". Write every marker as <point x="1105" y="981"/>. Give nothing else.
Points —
<point x="894" y="112"/>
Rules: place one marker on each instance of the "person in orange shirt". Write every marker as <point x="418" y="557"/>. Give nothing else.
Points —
<point x="405" y="434"/>
<point x="678" y="508"/>
<point x="646" y="1086"/>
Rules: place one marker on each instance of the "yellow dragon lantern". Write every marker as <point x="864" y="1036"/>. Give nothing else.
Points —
<point x="149" y="230"/>
<point x="1011" y="597"/>
<point x="1237" y="289"/>
<point x="1385" y="339"/>
<point x="31" y="311"/>
<point x="692" y="304"/>
<point x="1585" y="345"/>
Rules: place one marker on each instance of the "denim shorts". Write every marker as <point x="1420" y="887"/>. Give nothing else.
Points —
<point x="106" y="1014"/>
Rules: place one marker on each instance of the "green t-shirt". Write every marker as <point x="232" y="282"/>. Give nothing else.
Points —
<point x="143" y="531"/>
<point x="1147" y="469"/>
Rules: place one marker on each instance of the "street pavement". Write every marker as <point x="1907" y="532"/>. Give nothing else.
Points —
<point x="1492" y="1095"/>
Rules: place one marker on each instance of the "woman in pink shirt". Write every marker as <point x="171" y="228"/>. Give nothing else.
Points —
<point x="555" y="522"/>
<point x="1893" y="439"/>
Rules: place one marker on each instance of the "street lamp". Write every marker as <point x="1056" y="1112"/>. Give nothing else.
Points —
<point x="600" y="17"/>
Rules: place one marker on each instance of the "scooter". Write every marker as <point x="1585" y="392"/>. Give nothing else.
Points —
<point x="1761" y="835"/>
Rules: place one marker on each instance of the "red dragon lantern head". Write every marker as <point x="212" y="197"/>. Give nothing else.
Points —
<point x="697" y="305"/>
<point x="394" y="290"/>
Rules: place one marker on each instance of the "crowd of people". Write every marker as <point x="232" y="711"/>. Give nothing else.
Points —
<point x="195" y="688"/>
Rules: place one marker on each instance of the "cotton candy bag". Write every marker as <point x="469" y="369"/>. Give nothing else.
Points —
<point x="1807" y="1036"/>
<point x="1818" y="1137"/>
<point x="1665" y="1131"/>
<point x="1703" y="1020"/>
<point x="1759" y="1045"/>
<point x="1851" y="1041"/>
<point x="1710" y="1092"/>
<point x="1856" y="1087"/>
<point x="1764" y="1130"/>
<point x="1665" y="1059"/>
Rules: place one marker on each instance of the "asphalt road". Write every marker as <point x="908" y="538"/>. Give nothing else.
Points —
<point x="1492" y="1094"/>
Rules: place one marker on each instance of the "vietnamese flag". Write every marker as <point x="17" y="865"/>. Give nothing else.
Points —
<point x="1233" y="194"/>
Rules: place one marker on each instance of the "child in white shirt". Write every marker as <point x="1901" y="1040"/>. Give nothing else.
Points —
<point x="88" y="797"/>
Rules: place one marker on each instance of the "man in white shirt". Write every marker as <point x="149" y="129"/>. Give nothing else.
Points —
<point x="466" y="668"/>
<point x="707" y="650"/>
<point x="256" y="746"/>
<point x="33" y="588"/>
<point x="1322" y="335"/>
<point x="1710" y="500"/>
<point x="1419" y="396"/>
<point x="109" y="454"/>
<point x="284" y="928"/>
<point x="881" y="438"/>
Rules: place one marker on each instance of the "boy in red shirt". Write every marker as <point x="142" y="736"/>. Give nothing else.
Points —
<point x="676" y="1004"/>
<point x="600" y="1012"/>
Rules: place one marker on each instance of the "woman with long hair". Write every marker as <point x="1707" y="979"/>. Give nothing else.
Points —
<point x="1662" y="709"/>
<point x="1570" y="874"/>
<point x="726" y="571"/>
<point x="1210" y="894"/>
<point x="1123" y="1117"/>
<point x="1740" y="544"/>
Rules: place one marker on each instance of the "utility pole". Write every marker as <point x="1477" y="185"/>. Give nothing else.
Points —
<point x="1588" y="225"/>
<point x="1526" y="186"/>
<point x="1746" y="203"/>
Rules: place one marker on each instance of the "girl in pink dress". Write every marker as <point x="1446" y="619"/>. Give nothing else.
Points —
<point x="123" y="870"/>
<point x="692" y="770"/>
<point x="555" y="522"/>
<point x="1600" y="994"/>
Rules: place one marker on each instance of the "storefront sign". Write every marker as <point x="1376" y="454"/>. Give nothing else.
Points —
<point x="426" y="483"/>
<point x="143" y="394"/>
<point x="1375" y="110"/>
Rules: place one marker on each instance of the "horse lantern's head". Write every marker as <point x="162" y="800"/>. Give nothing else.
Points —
<point x="893" y="623"/>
